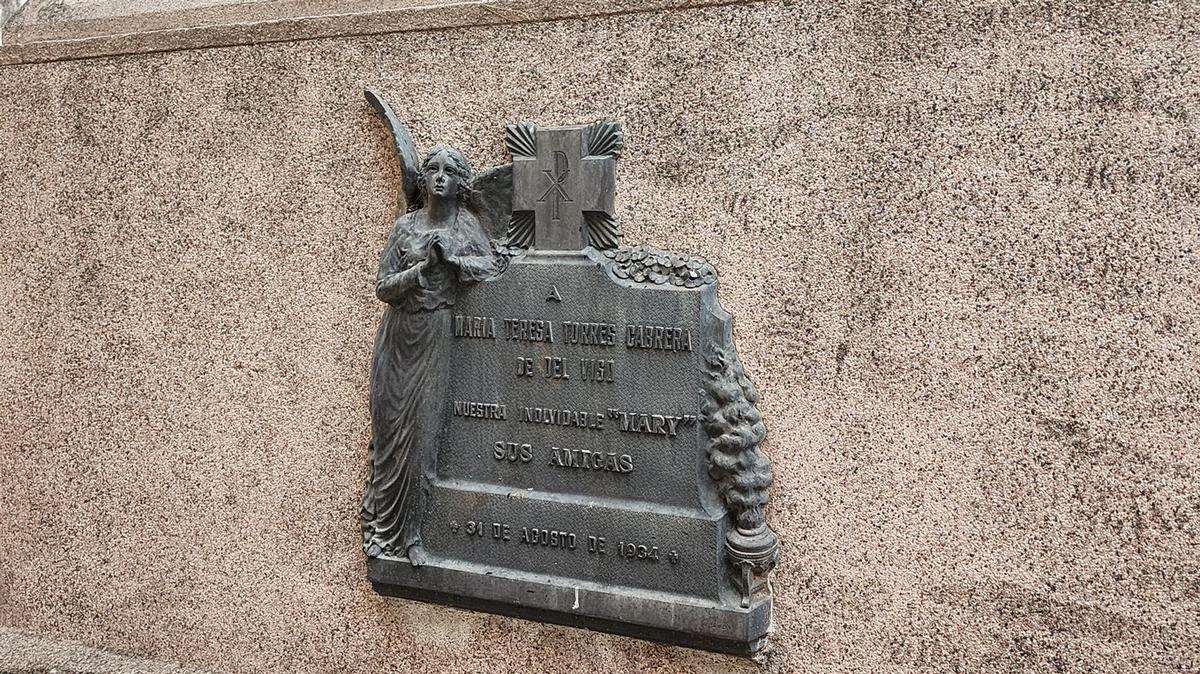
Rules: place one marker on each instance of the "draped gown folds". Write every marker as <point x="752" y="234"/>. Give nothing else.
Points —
<point x="409" y="374"/>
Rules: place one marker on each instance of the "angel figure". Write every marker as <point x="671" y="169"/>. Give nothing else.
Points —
<point x="436" y="250"/>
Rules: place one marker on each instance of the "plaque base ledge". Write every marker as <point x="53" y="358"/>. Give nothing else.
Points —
<point x="711" y="628"/>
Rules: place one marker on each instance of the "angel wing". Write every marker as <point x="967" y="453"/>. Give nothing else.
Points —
<point x="491" y="200"/>
<point x="491" y="191"/>
<point x="406" y="150"/>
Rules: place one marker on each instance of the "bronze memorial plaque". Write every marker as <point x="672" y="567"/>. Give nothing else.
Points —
<point x="561" y="427"/>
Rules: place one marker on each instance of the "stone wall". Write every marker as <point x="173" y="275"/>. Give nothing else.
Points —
<point x="960" y="241"/>
<point x="8" y="9"/>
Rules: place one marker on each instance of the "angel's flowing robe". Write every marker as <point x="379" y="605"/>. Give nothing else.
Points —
<point x="409" y="375"/>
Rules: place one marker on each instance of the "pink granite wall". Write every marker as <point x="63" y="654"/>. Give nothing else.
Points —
<point x="960" y="240"/>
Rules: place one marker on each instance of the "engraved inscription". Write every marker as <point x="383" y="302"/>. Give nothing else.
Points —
<point x="601" y="546"/>
<point x="554" y="367"/>
<point x="512" y="452"/>
<point x="653" y="424"/>
<point x="528" y="330"/>
<point x="629" y="550"/>
<point x="592" y="369"/>
<point x="589" y="334"/>
<point x="479" y="327"/>
<point x="477" y="410"/>
<point x="658" y="337"/>
<point x="557" y="417"/>
<point x="548" y="538"/>
<point x="566" y="457"/>
<point x="478" y="529"/>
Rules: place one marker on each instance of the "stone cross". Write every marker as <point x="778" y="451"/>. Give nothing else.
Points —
<point x="559" y="183"/>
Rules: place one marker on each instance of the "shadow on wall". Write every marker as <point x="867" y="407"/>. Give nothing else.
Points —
<point x="25" y="653"/>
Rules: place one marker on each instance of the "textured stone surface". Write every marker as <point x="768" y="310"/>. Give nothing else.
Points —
<point x="27" y="654"/>
<point x="53" y="30"/>
<point x="960" y="241"/>
<point x="8" y="9"/>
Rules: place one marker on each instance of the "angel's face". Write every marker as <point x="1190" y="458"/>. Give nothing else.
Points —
<point x="441" y="176"/>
